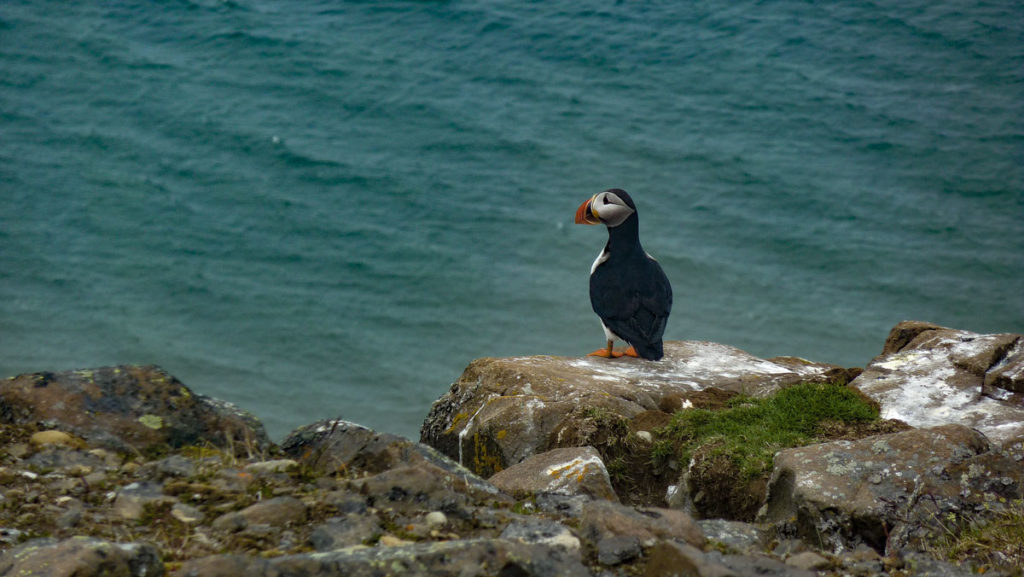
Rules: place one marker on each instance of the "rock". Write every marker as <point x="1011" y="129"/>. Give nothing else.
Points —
<point x="923" y="565"/>
<point x="65" y="460"/>
<point x="53" y="438"/>
<point x="170" y="467"/>
<point x="186" y="513"/>
<point x="537" y="531"/>
<point x="402" y="472"/>
<point x="930" y="375"/>
<point x="276" y="512"/>
<point x="81" y="557"/>
<point x="502" y="411"/>
<point x="274" y="466"/>
<point x="808" y="560"/>
<point x="467" y="557"/>
<point x="739" y="536"/>
<point x="132" y="500"/>
<point x="128" y="408"/>
<point x="669" y="559"/>
<point x="346" y="531"/>
<point x="743" y="565"/>
<point x="435" y="519"/>
<point x="568" y="471"/>
<point x="603" y="519"/>
<point x="887" y="491"/>
<point x="618" y="549"/>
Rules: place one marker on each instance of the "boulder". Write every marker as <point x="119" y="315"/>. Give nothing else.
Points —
<point x="668" y="558"/>
<point x="603" y="519"/>
<point x="128" y="408"/>
<point x="929" y="375"/>
<point x="81" y="557"/>
<point x="463" y="558"/>
<point x="277" y="512"/>
<point x="502" y="411"/>
<point x="888" y="491"/>
<point x="568" y="471"/>
<point x="387" y="467"/>
<point x="346" y="531"/>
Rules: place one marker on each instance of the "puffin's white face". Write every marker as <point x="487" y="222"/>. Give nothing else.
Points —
<point x="605" y="208"/>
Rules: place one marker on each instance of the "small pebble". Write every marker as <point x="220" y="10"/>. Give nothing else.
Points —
<point x="436" y="519"/>
<point x="392" y="541"/>
<point x="186" y="513"/>
<point x="43" y="438"/>
<point x="276" y="466"/>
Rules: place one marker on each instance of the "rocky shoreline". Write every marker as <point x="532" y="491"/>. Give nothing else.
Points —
<point x="534" y="466"/>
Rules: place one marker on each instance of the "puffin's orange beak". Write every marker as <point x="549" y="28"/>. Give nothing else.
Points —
<point x="585" y="213"/>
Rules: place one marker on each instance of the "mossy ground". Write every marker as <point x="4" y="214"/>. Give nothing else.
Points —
<point x="727" y="441"/>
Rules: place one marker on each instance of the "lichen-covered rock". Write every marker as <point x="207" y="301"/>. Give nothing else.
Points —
<point x="463" y="558"/>
<point x="128" y="408"/>
<point x="81" y="557"/>
<point x="568" y="471"/>
<point x="392" y="469"/>
<point x="929" y="375"/>
<point x="888" y="491"/>
<point x="502" y="411"/>
<point x="539" y="531"/>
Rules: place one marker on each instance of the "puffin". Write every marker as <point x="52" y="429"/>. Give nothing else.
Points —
<point x="628" y="289"/>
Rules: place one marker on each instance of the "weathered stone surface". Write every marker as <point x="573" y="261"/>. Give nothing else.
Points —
<point x="742" y="537"/>
<point x="930" y="375"/>
<point x="668" y="559"/>
<point x="604" y="519"/>
<point x="132" y="499"/>
<point x="402" y="473"/>
<point x="808" y="560"/>
<point x="278" y="512"/>
<point x="539" y="531"/>
<point x="127" y="408"/>
<point x="464" y="558"/>
<point x="887" y="491"/>
<point x="745" y="565"/>
<point x="502" y="411"/>
<point x="568" y="471"/>
<point x="346" y="531"/>
<point x="81" y="557"/>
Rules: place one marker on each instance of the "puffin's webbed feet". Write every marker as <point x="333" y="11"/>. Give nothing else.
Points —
<point x="609" y="353"/>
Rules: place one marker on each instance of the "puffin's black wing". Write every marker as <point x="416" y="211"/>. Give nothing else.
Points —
<point x="633" y="300"/>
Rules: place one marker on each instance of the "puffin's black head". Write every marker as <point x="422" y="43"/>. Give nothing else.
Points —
<point x="610" y="208"/>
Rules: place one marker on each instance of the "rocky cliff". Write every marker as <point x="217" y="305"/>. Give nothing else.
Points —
<point x="711" y="462"/>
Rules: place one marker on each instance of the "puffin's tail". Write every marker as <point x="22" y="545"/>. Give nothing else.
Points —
<point x="650" y="351"/>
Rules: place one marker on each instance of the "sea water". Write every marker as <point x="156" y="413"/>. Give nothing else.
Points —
<point x="319" y="209"/>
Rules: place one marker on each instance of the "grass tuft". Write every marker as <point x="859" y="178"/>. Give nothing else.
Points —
<point x="750" y="431"/>
<point x="994" y="543"/>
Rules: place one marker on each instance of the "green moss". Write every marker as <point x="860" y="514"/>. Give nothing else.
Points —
<point x="750" y="431"/>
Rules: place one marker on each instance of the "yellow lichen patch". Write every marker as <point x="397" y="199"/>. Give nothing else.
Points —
<point x="484" y="464"/>
<point x="501" y="434"/>
<point x="566" y="469"/>
<point x="152" y="421"/>
<point x="456" y="421"/>
<point x="583" y="472"/>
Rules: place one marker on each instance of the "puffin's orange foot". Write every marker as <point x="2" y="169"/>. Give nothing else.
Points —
<point x="631" y="352"/>
<point x="605" y="353"/>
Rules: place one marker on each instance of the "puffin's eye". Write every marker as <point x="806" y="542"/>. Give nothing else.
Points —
<point x="604" y="200"/>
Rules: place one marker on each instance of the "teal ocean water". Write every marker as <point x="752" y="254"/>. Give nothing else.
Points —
<point x="316" y="209"/>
